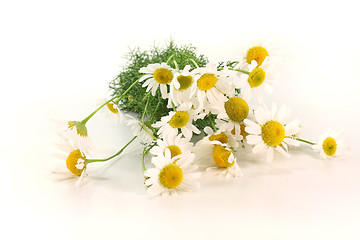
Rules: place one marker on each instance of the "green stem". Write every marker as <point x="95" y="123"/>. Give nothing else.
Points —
<point x="145" y="152"/>
<point x="193" y="61"/>
<point x="238" y="70"/>
<point x="111" y="157"/>
<point x="213" y="123"/>
<point x="304" y="141"/>
<point x="167" y="62"/>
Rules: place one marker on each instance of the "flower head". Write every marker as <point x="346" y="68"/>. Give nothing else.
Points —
<point x="271" y="131"/>
<point x="171" y="175"/>
<point x="157" y="75"/>
<point x="175" y="143"/>
<point x="330" y="145"/>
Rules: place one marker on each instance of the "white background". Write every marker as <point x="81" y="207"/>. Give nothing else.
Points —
<point x="57" y="58"/>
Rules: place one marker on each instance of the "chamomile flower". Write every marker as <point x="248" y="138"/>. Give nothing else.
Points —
<point x="112" y="111"/>
<point x="180" y="88"/>
<point x="233" y="113"/>
<point x="175" y="143"/>
<point x="172" y="175"/>
<point x="75" y="133"/>
<point x="215" y="151"/>
<point x="330" y="145"/>
<point x="271" y="131"/>
<point x="259" y="78"/>
<point x="258" y="51"/>
<point x="157" y="75"/>
<point x="144" y="133"/>
<point x="181" y="119"/>
<point x="75" y="159"/>
<point x="211" y="86"/>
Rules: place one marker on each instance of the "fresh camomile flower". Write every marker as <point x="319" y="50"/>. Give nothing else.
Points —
<point x="330" y="145"/>
<point x="211" y="86"/>
<point x="215" y="150"/>
<point x="271" y="131"/>
<point x="181" y="119"/>
<point x="172" y="175"/>
<point x="112" y="111"/>
<point x="232" y="115"/>
<point x="75" y="158"/>
<point x="258" y="51"/>
<point x="157" y="75"/>
<point x="180" y="88"/>
<point x="175" y="143"/>
<point x="260" y="77"/>
<point x="143" y="133"/>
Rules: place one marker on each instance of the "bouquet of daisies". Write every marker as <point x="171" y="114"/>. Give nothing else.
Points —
<point x="190" y="112"/>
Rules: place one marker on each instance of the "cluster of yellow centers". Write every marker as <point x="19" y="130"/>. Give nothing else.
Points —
<point x="221" y="153"/>
<point x="256" y="53"/>
<point x="273" y="133"/>
<point x="207" y="81"/>
<point x="185" y="82"/>
<point x="73" y="160"/>
<point x="237" y="109"/>
<point x="163" y="75"/>
<point x="171" y="176"/>
<point x="329" y="146"/>
<point x="112" y="108"/>
<point x="179" y="119"/>
<point x="256" y="77"/>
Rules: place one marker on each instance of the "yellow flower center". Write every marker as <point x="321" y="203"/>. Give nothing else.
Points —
<point x="179" y="120"/>
<point x="221" y="137"/>
<point x="185" y="82"/>
<point x="163" y="75"/>
<point x="174" y="150"/>
<point x="112" y="108"/>
<point x="256" y="53"/>
<point x="80" y="128"/>
<point x="207" y="81"/>
<point x="221" y="156"/>
<point x="273" y="133"/>
<point x="329" y="146"/>
<point x="237" y="109"/>
<point x="171" y="176"/>
<point x="256" y="77"/>
<point x="73" y="160"/>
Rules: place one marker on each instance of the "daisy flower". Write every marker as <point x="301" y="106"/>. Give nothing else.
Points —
<point x="157" y="75"/>
<point x="175" y="143"/>
<point x="171" y="175"/>
<point x="180" y="88"/>
<point x="259" y="78"/>
<point x="271" y="131"/>
<point x="330" y="145"/>
<point x="75" y="158"/>
<point x="258" y="51"/>
<point x="143" y="133"/>
<point x="215" y="150"/>
<point x="232" y="114"/>
<point x="179" y="120"/>
<point x="112" y="111"/>
<point x="211" y="86"/>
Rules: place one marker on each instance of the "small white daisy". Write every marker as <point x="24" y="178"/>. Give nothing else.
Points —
<point x="180" y="88"/>
<point x="143" y="133"/>
<point x="157" y="75"/>
<point x="259" y="77"/>
<point x="330" y="145"/>
<point x="175" y="143"/>
<point x="211" y="86"/>
<point x="179" y="120"/>
<point x="112" y="111"/>
<point x="172" y="175"/>
<point x="271" y="131"/>
<point x="215" y="151"/>
<point x="259" y="51"/>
